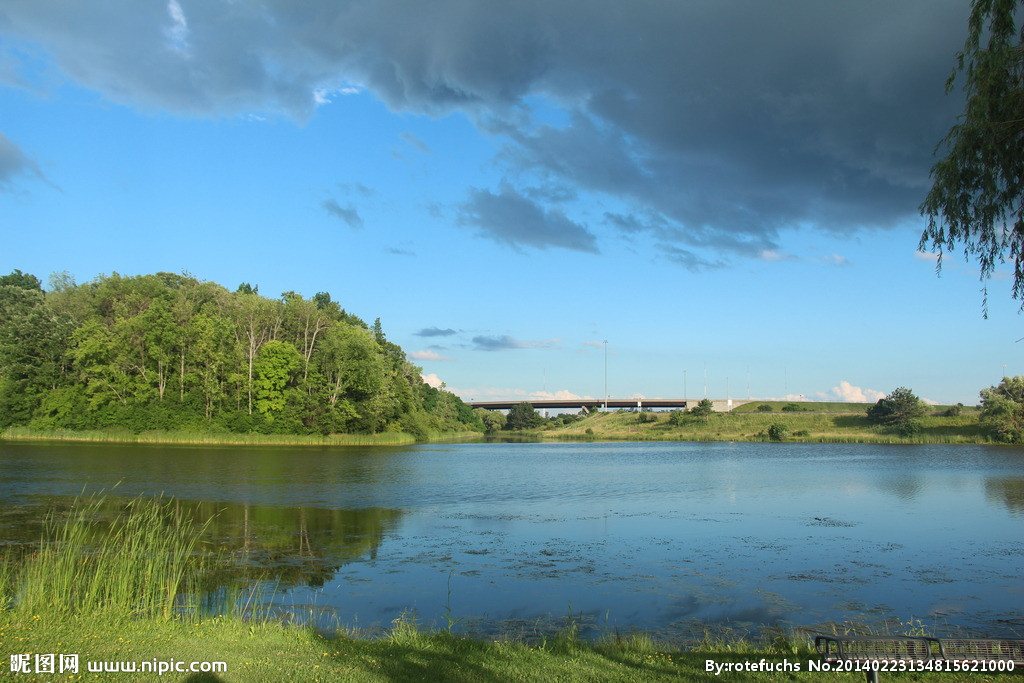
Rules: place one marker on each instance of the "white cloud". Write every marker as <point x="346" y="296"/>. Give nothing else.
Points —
<point x="560" y="395"/>
<point x="427" y="355"/>
<point x="848" y="393"/>
<point x="433" y="380"/>
<point x="773" y="255"/>
<point x="836" y="259"/>
<point x="177" y="33"/>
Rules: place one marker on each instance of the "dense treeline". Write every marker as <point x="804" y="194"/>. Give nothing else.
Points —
<point x="167" y="351"/>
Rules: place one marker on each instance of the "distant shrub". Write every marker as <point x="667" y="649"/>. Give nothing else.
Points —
<point x="909" y="428"/>
<point x="791" y="408"/>
<point x="954" y="411"/>
<point x="675" y="418"/>
<point x="778" y="432"/>
<point x="703" y="409"/>
<point x="801" y="432"/>
<point x="646" y="416"/>
<point x="764" y="408"/>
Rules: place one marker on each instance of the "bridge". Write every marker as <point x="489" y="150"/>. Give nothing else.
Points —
<point x="588" y="403"/>
<point x="721" y="405"/>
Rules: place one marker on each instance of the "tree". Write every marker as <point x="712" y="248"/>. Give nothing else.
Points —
<point x="703" y="409"/>
<point x="21" y="280"/>
<point x="977" y="196"/>
<point x="33" y="342"/>
<point x="522" y="416"/>
<point x="492" y="420"/>
<point x="275" y="368"/>
<point x="1002" y="410"/>
<point x="900" y="409"/>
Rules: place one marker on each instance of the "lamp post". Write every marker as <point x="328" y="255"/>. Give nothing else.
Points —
<point x="605" y="342"/>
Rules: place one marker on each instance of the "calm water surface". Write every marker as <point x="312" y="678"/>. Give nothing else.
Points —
<point x="625" y="536"/>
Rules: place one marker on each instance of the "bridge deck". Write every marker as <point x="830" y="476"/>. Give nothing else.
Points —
<point x="586" y="403"/>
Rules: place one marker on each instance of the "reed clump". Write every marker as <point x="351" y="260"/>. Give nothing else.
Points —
<point x="137" y="563"/>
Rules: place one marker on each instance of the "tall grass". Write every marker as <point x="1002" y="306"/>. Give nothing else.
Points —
<point x="198" y="437"/>
<point x="134" y="565"/>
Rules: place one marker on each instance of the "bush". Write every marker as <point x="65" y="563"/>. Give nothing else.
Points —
<point x="703" y="409"/>
<point x="898" y="409"/>
<point x="954" y="411"/>
<point x="764" y="408"/>
<point x="1002" y="410"/>
<point x="909" y="428"/>
<point x="778" y="431"/>
<point x="791" y="408"/>
<point x="675" y="418"/>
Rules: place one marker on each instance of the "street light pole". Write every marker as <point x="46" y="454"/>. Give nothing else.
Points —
<point x="605" y="342"/>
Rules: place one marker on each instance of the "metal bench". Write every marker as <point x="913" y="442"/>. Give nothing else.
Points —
<point x="871" y="654"/>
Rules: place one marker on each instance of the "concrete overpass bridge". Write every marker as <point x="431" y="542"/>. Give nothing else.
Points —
<point x="721" y="405"/>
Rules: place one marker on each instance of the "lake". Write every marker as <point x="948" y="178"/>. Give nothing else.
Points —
<point x="513" y="537"/>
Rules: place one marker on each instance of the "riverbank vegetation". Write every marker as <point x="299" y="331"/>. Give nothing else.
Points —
<point x="126" y="588"/>
<point x="168" y="354"/>
<point x="810" y="423"/>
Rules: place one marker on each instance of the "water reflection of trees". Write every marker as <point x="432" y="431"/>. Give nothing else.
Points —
<point x="1006" y="490"/>
<point x="290" y="545"/>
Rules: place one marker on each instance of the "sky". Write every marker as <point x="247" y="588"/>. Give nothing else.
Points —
<point x="542" y="198"/>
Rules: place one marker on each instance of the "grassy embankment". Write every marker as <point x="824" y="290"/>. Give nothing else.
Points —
<point x="224" y="438"/>
<point x="111" y="591"/>
<point x="813" y="422"/>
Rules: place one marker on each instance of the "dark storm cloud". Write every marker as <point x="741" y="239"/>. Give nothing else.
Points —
<point x="728" y="121"/>
<point x="348" y="214"/>
<point x="435" y="332"/>
<point x="13" y="162"/>
<point x="506" y="343"/>
<point x="510" y="218"/>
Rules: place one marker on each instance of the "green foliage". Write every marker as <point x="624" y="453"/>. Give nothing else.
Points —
<point x="900" y="409"/>
<point x="704" y="408"/>
<point x="1002" y="410"/>
<point x="908" y="428"/>
<point x="522" y="416"/>
<point x="778" y="431"/>
<point x="276" y="369"/>
<point x="791" y="408"/>
<point x="977" y="196"/>
<point x="764" y="408"/>
<point x="21" y="280"/>
<point x="166" y="351"/>
<point x="676" y="419"/>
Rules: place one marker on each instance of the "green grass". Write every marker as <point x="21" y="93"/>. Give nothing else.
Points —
<point x="803" y="426"/>
<point x="105" y="590"/>
<point x="270" y="651"/>
<point x="221" y="438"/>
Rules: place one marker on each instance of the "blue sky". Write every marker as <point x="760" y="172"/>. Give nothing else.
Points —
<point x="730" y="186"/>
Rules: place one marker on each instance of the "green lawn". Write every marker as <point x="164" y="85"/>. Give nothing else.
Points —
<point x="269" y="651"/>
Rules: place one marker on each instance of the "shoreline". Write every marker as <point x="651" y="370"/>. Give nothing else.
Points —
<point x="187" y="438"/>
